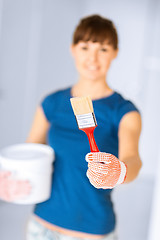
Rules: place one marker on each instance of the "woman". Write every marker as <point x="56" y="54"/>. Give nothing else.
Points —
<point x="80" y="205"/>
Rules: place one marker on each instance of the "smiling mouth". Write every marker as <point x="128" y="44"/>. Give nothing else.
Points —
<point x="92" y="68"/>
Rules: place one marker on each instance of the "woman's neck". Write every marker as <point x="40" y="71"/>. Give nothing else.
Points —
<point x="93" y="89"/>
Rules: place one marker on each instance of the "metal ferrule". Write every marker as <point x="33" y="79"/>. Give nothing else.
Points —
<point x="86" y="120"/>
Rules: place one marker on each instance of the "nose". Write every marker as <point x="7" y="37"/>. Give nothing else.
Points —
<point x="92" y="56"/>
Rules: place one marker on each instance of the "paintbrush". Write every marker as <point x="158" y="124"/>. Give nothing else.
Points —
<point x="84" y="113"/>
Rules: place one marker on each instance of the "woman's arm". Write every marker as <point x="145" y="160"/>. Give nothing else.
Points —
<point x="129" y="133"/>
<point x="105" y="170"/>
<point x="39" y="128"/>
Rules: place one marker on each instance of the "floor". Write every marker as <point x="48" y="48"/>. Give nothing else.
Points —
<point x="132" y="203"/>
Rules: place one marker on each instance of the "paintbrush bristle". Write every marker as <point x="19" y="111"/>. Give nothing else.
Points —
<point x="82" y="105"/>
<point x="83" y="111"/>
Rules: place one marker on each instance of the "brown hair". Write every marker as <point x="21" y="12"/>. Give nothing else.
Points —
<point x="96" y="29"/>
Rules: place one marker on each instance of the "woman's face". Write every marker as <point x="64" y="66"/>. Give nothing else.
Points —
<point x="93" y="60"/>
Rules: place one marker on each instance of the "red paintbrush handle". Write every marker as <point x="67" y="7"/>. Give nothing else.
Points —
<point x="92" y="142"/>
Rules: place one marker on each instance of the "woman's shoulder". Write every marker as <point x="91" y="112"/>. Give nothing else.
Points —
<point x="120" y="98"/>
<point x="123" y="106"/>
<point x="121" y="101"/>
<point x="115" y="100"/>
<point x="52" y="101"/>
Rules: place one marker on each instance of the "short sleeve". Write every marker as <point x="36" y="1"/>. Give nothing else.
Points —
<point x="124" y="107"/>
<point x="48" y="104"/>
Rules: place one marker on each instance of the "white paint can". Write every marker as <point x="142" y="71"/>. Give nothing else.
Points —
<point x="32" y="162"/>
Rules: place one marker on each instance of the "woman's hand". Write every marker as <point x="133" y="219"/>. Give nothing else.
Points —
<point x="105" y="170"/>
<point x="12" y="189"/>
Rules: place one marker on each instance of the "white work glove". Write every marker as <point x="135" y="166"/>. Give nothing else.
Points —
<point x="105" y="170"/>
<point x="12" y="189"/>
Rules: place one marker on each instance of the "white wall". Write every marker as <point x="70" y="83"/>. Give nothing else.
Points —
<point x="35" y="36"/>
<point x="34" y="45"/>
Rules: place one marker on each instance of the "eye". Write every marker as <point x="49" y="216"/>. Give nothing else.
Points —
<point x="103" y="49"/>
<point x="84" y="48"/>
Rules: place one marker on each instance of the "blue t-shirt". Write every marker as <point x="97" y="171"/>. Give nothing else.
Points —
<point x="74" y="203"/>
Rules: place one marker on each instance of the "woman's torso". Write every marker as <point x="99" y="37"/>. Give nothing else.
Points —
<point x="75" y="204"/>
